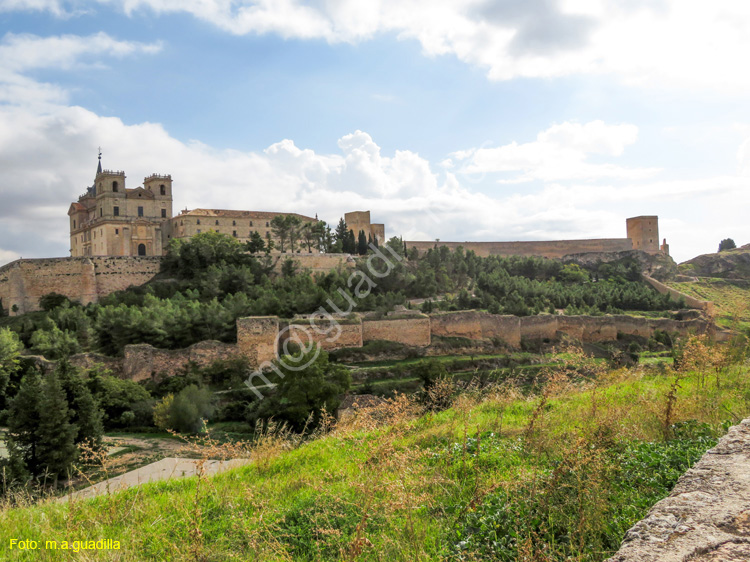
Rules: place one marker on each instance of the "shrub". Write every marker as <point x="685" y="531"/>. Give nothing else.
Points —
<point x="190" y="409"/>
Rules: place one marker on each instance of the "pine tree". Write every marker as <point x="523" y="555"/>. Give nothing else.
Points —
<point x="55" y="447"/>
<point x="22" y="437"/>
<point x="85" y="413"/>
<point x="362" y="243"/>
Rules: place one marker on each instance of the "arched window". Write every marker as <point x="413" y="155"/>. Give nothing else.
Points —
<point x="162" y="189"/>
<point x="141" y="249"/>
<point x="114" y="186"/>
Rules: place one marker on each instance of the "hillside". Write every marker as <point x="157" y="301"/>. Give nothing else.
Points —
<point x="555" y="471"/>
<point x="729" y="264"/>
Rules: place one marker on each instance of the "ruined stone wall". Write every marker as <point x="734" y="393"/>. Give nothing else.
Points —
<point x="258" y="338"/>
<point x="330" y="335"/>
<point x="409" y="331"/>
<point x="316" y="262"/>
<point x="706" y="518"/>
<point x="692" y="302"/>
<point x="502" y="327"/>
<point x="464" y="324"/>
<point x="23" y="282"/>
<point x="144" y="362"/>
<point x="539" y="327"/>
<point x="547" y="249"/>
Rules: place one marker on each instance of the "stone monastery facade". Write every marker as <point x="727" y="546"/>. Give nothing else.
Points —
<point x="112" y="220"/>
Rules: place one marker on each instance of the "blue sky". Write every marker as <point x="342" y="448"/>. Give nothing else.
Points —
<point x="471" y="120"/>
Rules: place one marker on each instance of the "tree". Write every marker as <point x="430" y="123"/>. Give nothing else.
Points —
<point x="295" y="225"/>
<point x="40" y="436"/>
<point x="362" y="243"/>
<point x="302" y="392"/>
<point x="341" y="236"/>
<point x="50" y="301"/>
<point x="396" y="244"/>
<point x="727" y="244"/>
<point x="314" y="234"/>
<point x="190" y="409"/>
<point x="53" y="342"/>
<point x="85" y="413"/>
<point x="10" y="351"/>
<point x="256" y="244"/>
<point x="56" y="447"/>
<point x="280" y="227"/>
<point x="350" y="244"/>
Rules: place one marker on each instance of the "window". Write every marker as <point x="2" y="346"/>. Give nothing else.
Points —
<point x="180" y="223"/>
<point x="164" y="213"/>
<point x="100" y="211"/>
<point x="74" y="224"/>
<point x="234" y="233"/>
<point x="162" y="189"/>
<point x="140" y="211"/>
<point x="116" y="211"/>
<point x="199" y="231"/>
<point x="217" y="222"/>
<point x="117" y="231"/>
<point x="251" y="223"/>
<point x="267" y="224"/>
<point x="141" y="249"/>
<point x="234" y="223"/>
<point x="198" y="222"/>
<point x="114" y="186"/>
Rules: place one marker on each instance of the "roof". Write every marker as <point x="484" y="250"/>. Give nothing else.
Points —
<point x="231" y="214"/>
<point x="76" y="208"/>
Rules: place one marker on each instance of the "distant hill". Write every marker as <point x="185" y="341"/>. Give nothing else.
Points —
<point x="729" y="264"/>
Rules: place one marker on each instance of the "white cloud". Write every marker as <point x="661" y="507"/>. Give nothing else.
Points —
<point x="682" y="43"/>
<point x="558" y="153"/>
<point x="20" y="53"/>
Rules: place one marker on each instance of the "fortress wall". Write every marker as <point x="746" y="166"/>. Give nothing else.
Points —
<point x="634" y="326"/>
<point x="706" y="516"/>
<point x="409" y="331"/>
<point x="142" y="361"/>
<point x="24" y="282"/>
<point x="464" y="324"/>
<point x="547" y="249"/>
<point x="257" y="338"/>
<point x="315" y="262"/>
<point x="329" y="334"/>
<point x="692" y="302"/>
<point x="504" y="327"/>
<point x="539" y="327"/>
<point x="90" y="360"/>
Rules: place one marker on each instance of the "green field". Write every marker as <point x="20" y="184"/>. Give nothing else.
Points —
<point x="501" y="474"/>
<point x="731" y="298"/>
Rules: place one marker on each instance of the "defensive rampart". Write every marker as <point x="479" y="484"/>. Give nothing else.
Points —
<point x="706" y="518"/>
<point x="692" y="302"/>
<point x="316" y="262"/>
<point x="24" y="282"/>
<point x="260" y="339"/>
<point x="547" y="249"/>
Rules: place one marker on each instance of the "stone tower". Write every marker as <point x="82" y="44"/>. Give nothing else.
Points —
<point x="644" y="232"/>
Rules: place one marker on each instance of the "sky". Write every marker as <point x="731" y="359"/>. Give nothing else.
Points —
<point x="447" y="119"/>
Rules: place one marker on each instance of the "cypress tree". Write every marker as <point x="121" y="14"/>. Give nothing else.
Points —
<point x="362" y="243"/>
<point x="351" y="243"/>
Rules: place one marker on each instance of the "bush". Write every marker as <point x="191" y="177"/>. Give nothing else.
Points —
<point x="190" y="409"/>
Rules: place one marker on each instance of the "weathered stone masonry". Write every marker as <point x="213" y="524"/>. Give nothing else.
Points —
<point x="706" y="518"/>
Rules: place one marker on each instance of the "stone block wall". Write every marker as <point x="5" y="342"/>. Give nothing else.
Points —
<point x="706" y="518"/>
<point x="692" y="302"/>
<point x="547" y="249"/>
<point x="463" y="324"/>
<point x="503" y="327"/>
<point x="258" y="338"/>
<point x="539" y="327"/>
<point x="144" y="362"/>
<point x="24" y="282"/>
<point x="410" y="331"/>
<point x="329" y="334"/>
<point x="316" y="262"/>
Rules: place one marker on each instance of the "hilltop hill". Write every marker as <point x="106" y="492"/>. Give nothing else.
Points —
<point x="729" y="264"/>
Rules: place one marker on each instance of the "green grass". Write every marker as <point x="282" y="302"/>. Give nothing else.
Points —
<point x="497" y="475"/>
<point x="731" y="298"/>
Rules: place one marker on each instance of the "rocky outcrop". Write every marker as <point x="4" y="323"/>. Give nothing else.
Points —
<point x="659" y="266"/>
<point x="706" y="518"/>
<point x="729" y="264"/>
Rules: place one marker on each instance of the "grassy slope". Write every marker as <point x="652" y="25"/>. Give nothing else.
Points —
<point x="395" y="492"/>
<point x="730" y="299"/>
